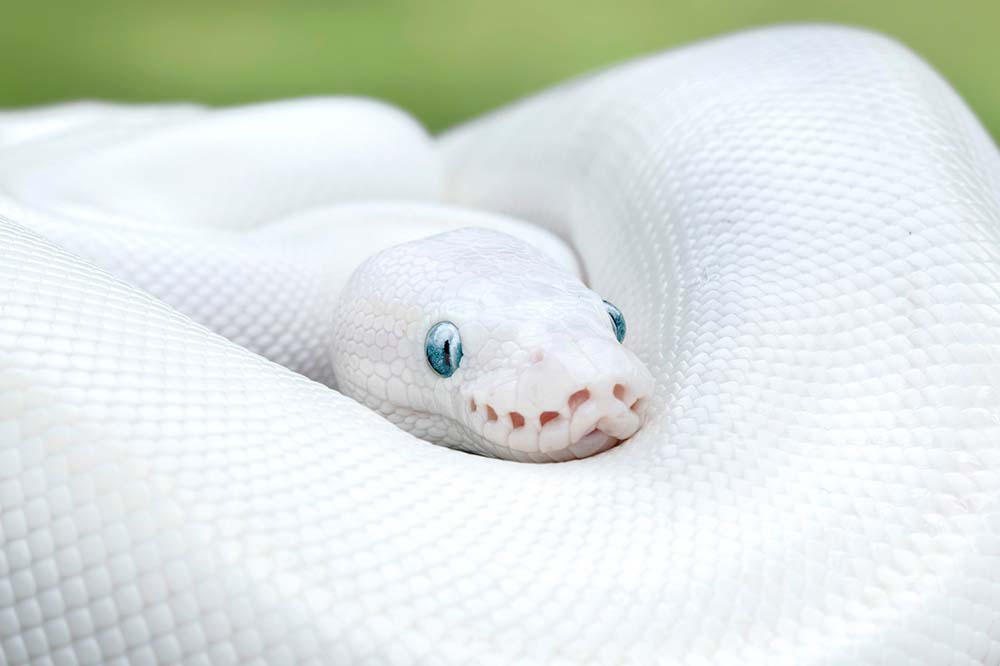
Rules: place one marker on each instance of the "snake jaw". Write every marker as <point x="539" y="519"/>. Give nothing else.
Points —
<point x="594" y="442"/>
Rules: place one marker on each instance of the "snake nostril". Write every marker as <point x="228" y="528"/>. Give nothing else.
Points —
<point x="619" y="392"/>
<point x="578" y="398"/>
<point x="491" y="414"/>
<point x="516" y="419"/>
<point x="547" y="416"/>
<point x="472" y="405"/>
<point x="639" y="406"/>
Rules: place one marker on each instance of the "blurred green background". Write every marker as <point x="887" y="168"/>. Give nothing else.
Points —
<point x="442" y="60"/>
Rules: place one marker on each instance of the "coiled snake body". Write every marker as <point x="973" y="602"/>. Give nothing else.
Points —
<point x="801" y="225"/>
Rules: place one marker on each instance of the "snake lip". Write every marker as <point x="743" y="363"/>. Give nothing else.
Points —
<point x="595" y="441"/>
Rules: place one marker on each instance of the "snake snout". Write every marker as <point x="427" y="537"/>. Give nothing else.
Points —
<point x="603" y="415"/>
<point x="586" y="420"/>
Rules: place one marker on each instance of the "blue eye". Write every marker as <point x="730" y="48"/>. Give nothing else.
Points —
<point x="444" y="348"/>
<point x="617" y="320"/>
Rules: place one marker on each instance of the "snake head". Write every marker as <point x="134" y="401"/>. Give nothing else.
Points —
<point x="475" y="340"/>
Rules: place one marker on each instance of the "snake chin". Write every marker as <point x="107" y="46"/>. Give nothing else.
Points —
<point x="594" y="442"/>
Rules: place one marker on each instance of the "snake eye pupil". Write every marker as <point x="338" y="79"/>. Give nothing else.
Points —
<point x="617" y="320"/>
<point x="443" y="347"/>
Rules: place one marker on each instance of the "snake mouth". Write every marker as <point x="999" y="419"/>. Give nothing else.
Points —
<point x="594" y="442"/>
<point x="592" y="420"/>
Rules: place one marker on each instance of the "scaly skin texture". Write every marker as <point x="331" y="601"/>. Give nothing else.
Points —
<point x="248" y="220"/>
<point x="802" y="227"/>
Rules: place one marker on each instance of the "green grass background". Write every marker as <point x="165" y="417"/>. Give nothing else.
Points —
<point x="443" y="60"/>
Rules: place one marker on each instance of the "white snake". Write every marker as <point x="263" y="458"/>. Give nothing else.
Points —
<point x="801" y="226"/>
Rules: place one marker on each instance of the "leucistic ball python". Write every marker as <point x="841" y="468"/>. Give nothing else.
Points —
<point x="801" y="227"/>
<point x="544" y="376"/>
